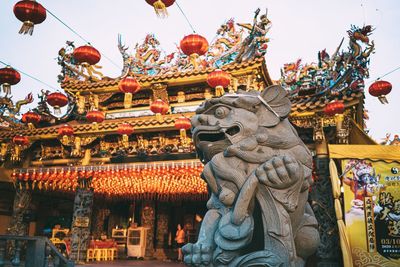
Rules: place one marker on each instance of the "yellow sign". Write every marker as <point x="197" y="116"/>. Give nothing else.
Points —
<point x="372" y="211"/>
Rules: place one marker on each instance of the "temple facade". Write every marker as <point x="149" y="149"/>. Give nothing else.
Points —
<point x="121" y="153"/>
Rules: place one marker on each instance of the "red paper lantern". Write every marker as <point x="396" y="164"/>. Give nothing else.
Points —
<point x="159" y="107"/>
<point x="218" y="78"/>
<point x="21" y="140"/>
<point x="31" y="117"/>
<point x="95" y="116"/>
<point x="183" y="123"/>
<point x="30" y="13"/>
<point x="87" y="54"/>
<point x="129" y="85"/>
<point x="66" y="130"/>
<point x="160" y="6"/>
<point x="57" y="101"/>
<point x="125" y="129"/>
<point x="333" y="108"/>
<point x="8" y="77"/>
<point x="194" y="44"/>
<point x="380" y="89"/>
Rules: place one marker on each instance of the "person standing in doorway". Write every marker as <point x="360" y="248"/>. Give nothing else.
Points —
<point x="180" y="240"/>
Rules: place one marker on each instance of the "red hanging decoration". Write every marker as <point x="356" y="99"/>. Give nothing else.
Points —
<point x="125" y="129"/>
<point x="95" y="117"/>
<point x="159" y="107"/>
<point x="219" y="80"/>
<point x="31" y="118"/>
<point x="65" y="130"/>
<point x="194" y="45"/>
<point x="30" y="13"/>
<point x="183" y="124"/>
<point x="333" y="108"/>
<point x="21" y="140"/>
<point x="57" y="101"/>
<point x="160" y="6"/>
<point x="8" y="77"/>
<point x="380" y="89"/>
<point x="87" y="54"/>
<point x="128" y="85"/>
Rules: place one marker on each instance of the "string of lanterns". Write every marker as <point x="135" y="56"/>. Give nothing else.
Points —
<point x="146" y="181"/>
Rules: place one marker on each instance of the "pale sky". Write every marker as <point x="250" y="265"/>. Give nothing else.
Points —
<point x="300" y="29"/>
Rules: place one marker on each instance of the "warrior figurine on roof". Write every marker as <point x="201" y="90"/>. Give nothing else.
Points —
<point x="256" y="43"/>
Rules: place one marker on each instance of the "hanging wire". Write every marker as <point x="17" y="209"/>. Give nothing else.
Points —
<point x="30" y="76"/>
<point x="183" y="13"/>
<point x="80" y="36"/>
<point x="386" y="74"/>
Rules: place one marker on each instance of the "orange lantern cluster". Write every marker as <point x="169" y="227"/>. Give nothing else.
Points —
<point x="57" y="101"/>
<point x="194" y="45"/>
<point x="158" y="182"/>
<point x="159" y="107"/>
<point x="30" y="13"/>
<point x="182" y="124"/>
<point x="380" y="89"/>
<point x="160" y="6"/>
<point x="87" y="54"/>
<point x="128" y="85"/>
<point x="219" y="80"/>
<point x="95" y="117"/>
<point x="8" y="77"/>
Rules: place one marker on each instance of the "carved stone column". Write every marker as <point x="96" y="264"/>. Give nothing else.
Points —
<point x="148" y="220"/>
<point x="322" y="203"/>
<point x="22" y="200"/>
<point x="80" y="231"/>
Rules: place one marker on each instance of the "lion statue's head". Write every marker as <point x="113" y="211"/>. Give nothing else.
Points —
<point x="250" y="125"/>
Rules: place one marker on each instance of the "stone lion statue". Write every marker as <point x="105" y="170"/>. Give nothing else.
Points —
<point x="258" y="172"/>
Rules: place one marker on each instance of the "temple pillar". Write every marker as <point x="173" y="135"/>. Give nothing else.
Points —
<point x="99" y="215"/>
<point x="22" y="200"/>
<point x="81" y="219"/>
<point x="162" y="231"/>
<point x="321" y="197"/>
<point x="148" y="221"/>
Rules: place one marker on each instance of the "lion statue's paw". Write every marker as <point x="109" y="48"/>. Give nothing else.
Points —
<point x="279" y="172"/>
<point x="198" y="254"/>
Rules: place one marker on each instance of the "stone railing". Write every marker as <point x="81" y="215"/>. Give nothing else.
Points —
<point x="36" y="252"/>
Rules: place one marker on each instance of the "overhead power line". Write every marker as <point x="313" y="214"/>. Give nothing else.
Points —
<point x="30" y="76"/>
<point x="81" y="37"/>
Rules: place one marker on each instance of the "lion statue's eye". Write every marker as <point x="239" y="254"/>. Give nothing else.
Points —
<point x="221" y="112"/>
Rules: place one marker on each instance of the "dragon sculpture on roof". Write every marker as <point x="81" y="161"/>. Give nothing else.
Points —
<point x="342" y="72"/>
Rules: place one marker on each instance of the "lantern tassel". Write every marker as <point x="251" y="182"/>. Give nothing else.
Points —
<point x="27" y="28"/>
<point x="6" y="88"/>
<point x="193" y="59"/>
<point x="160" y="9"/>
<point x="339" y="121"/>
<point x="125" y="140"/>
<point x="159" y="117"/>
<point x="128" y="100"/>
<point x="95" y="126"/>
<point x="31" y="126"/>
<point x="383" y="99"/>
<point x="57" y="110"/>
<point x="219" y="91"/>
<point x="183" y="134"/>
